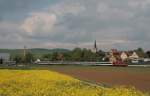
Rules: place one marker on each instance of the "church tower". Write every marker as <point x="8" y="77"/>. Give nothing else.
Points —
<point x="95" y="49"/>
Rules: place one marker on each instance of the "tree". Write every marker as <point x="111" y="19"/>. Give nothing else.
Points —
<point x="47" y="56"/>
<point x="101" y="55"/>
<point x="148" y="54"/>
<point x="54" y="56"/>
<point x="76" y="54"/>
<point x="29" y="58"/>
<point x="140" y="52"/>
<point x="85" y="54"/>
<point x="18" y="58"/>
<point x="1" y="61"/>
<point x="67" y="56"/>
<point x="60" y="56"/>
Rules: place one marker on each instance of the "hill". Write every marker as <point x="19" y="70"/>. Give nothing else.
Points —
<point x="33" y="50"/>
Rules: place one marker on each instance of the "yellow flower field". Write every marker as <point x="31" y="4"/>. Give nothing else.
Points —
<point x="47" y="83"/>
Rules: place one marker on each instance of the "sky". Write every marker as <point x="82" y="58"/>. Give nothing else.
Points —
<point x="121" y="24"/>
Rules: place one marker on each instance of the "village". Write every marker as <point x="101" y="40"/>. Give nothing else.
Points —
<point x="79" y="56"/>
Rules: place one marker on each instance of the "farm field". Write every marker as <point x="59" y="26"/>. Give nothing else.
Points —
<point x="49" y="83"/>
<point x="139" y="77"/>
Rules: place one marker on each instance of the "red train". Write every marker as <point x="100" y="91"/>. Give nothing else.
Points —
<point x="120" y="63"/>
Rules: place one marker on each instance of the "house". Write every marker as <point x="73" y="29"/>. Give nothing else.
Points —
<point x="38" y="61"/>
<point x="134" y="56"/>
<point x="112" y="59"/>
<point x="114" y="55"/>
<point x="124" y="56"/>
<point x="4" y="57"/>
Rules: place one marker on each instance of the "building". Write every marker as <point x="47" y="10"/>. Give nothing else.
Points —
<point x="114" y="55"/>
<point x="127" y="55"/>
<point x="124" y="56"/>
<point x="134" y="56"/>
<point x="4" y="57"/>
<point x="95" y="49"/>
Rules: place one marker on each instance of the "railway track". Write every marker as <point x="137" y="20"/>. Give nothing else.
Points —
<point x="87" y="64"/>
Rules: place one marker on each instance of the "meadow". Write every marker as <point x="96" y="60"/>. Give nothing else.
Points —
<point x="49" y="83"/>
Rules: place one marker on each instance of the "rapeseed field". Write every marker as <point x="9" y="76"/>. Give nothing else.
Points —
<point x="48" y="83"/>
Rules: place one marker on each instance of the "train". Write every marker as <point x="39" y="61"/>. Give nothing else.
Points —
<point x="117" y="63"/>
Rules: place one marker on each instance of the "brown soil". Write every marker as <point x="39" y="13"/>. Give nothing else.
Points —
<point x="140" y="80"/>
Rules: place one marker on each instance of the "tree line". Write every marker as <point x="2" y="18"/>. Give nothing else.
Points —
<point x="77" y="54"/>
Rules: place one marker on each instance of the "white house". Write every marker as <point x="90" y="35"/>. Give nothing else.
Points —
<point x="123" y="56"/>
<point x="134" y="56"/>
<point x="37" y="61"/>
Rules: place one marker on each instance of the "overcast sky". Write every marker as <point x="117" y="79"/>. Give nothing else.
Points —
<point x="122" y="24"/>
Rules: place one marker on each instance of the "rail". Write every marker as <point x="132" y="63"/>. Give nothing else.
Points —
<point x="72" y="63"/>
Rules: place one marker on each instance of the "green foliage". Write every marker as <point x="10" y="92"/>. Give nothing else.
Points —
<point x="47" y="57"/>
<point x="37" y="52"/>
<point x="140" y="52"/>
<point x="76" y="54"/>
<point x="18" y="58"/>
<point x="29" y="57"/>
<point x="148" y="54"/>
<point x="54" y="56"/>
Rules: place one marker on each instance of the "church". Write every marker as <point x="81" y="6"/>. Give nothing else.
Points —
<point x="95" y="49"/>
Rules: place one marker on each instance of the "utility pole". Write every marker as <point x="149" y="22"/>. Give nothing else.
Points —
<point x="24" y="54"/>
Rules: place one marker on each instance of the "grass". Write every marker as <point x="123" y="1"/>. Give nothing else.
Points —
<point x="80" y="67"/>
<point x="95" y="68"/>
<point x="49" y="83"/>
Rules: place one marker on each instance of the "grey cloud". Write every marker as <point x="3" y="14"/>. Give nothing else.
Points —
<point x="113" y="23"/>
<point x="18" y="9"/>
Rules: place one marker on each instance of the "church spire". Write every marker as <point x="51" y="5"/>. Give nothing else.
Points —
<point x="95" y="47"/>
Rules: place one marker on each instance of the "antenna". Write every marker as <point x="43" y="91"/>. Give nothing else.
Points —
<point x="24" y="54"/>
<point x="24" y="51"/>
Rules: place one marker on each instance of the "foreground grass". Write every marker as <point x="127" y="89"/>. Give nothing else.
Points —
<point x="47" y="83"/>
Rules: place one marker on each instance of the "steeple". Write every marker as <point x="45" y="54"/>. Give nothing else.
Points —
<point x="95" y="47"/>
